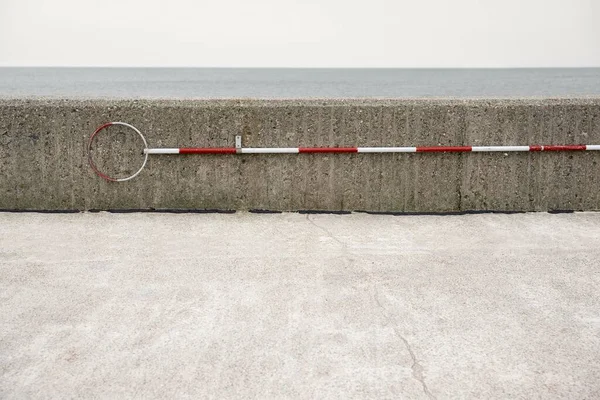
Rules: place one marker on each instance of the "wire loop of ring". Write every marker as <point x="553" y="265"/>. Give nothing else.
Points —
<point x="93" y="165"/>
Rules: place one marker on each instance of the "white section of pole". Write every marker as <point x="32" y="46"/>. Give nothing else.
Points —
<point x="267" y="150"/>
<point x="161" y="151"/>
<point x="387" y="149"/>
<point x="499" y="148"/>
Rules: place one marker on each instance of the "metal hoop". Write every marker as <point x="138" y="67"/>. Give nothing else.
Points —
<point x="95" y="168"/>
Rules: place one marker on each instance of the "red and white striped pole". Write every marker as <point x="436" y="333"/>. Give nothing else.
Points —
<point x="299" y="150"/>
<point x="419" y="149"/>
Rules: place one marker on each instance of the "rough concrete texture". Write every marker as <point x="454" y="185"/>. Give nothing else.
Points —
<point x="299" y="306"/>
<point x="43" y="161"/>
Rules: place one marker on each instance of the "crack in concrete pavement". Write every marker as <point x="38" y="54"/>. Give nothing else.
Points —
<point x="331" y="235"/>
<point x="417" y="368"/>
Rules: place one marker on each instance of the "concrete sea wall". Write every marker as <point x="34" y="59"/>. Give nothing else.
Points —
<point x="43" y="162"/>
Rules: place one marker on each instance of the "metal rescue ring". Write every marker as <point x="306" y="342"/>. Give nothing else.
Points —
<point x="95" y="168"/>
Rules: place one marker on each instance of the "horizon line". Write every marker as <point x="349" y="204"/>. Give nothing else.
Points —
<point x="287" y="67"/>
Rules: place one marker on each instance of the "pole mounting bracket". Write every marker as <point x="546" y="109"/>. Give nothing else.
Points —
<point x="238" y="143"/>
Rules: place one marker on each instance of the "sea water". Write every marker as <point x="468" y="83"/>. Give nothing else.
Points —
<point x="277" y="83"/>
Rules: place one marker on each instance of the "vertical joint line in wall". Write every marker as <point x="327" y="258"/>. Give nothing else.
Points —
<point x="460" y="180"/>
<point x="461" y="157"/>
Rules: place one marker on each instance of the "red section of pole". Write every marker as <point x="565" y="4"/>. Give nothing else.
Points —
<point x="571" y="147"/>
<point x="327" y="150"/>
<point x="440" y="149"/>
<point x="207" y="150"/>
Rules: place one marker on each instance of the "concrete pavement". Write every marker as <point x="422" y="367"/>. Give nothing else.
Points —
<point x="149" y="305"/>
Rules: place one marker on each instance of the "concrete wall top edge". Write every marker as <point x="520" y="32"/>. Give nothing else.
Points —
<point x="308" y="102"/>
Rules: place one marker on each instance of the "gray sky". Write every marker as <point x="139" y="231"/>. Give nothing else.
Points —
<point x="301" y="33"/>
